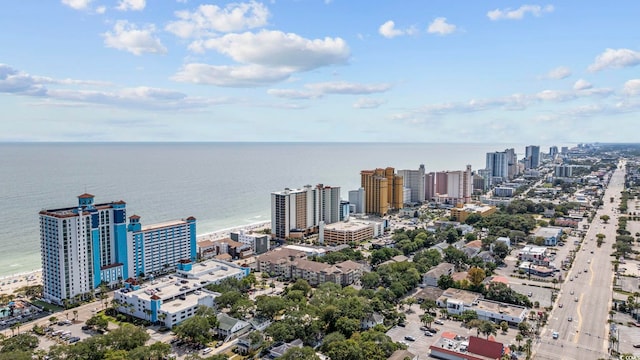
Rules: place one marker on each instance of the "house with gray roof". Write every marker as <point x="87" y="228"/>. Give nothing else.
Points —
<point x="229" y="326"/>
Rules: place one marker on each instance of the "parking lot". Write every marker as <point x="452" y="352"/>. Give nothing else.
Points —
<point x="421" y="344"/>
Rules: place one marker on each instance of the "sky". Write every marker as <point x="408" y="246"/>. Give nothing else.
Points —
<point x="441" y="71"/>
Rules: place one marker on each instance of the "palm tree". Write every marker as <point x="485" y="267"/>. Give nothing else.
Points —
<point x="410" y="301"/>
<point x="147" y="313"/>
<point x="75" y="315"/>
<point x="528" y="348"/>
<point x="444" y="313"/>
<point x="519" y="339"/>
<point x="426" y="319"/>
<point x="162" y="317"/>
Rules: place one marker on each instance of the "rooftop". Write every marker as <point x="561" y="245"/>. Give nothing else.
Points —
<point x="165" y="224"/>
<point x="465" y="296"/>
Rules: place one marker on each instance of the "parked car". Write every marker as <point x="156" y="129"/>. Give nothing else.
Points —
<point x="555" y="335"/>
<point x="439" y="322"/>
<point x="426" y="333"/>
<point x="409" y="338"/>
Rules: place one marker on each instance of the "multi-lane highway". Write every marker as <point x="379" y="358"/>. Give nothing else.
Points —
<point x="581" y="322"/>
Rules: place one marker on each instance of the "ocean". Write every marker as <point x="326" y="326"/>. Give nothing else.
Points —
<point x="222" y="184"/>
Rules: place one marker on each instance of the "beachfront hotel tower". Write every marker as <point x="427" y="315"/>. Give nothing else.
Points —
<point x="298" y="212"/>
<point x="158" y="248"/>
<point x="89" y="244"/>
<point x="383" y="190"/>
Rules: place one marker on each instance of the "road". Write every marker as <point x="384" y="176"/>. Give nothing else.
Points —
<point x="586" y="336"/>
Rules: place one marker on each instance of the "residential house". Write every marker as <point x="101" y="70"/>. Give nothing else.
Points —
<point x="432" y="276"/>
<point x="278" y="351"/>
<point x="229" y="326"/>
<point x="371" y="320"/>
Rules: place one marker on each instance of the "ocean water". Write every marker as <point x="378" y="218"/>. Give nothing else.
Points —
<point x="222" y="184"/>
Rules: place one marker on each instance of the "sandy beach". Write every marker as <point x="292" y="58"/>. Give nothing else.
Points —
<point x="10" y="283"/>
<point x="224" y="233"/>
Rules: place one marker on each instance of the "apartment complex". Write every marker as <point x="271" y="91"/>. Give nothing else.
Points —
<point x="357" y="201"/>
<point x="383" y="190"/>
<point x="501" y="165"/>
<point x="450" y="187"/>
<point x="88" y="244"/>
<point x="292" y="264"/>
<point x="414" y="180"/>
<point x="258" y="243"/>
<point x="298" y="212"/>
<point x="532" y="157"/>
<point x="462" y="211"/>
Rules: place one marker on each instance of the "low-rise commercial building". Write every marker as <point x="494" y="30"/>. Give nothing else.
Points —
<point x="172" y="299"/>
<point x="456" y="301"/>
<point x="551" y="235"/>
<point x="462" y="212"/>
<point x="534" y="254"/>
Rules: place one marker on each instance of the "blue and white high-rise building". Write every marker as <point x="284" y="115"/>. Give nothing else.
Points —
<point x="90" y="244"/>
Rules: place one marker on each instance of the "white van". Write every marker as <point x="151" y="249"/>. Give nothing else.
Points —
<point x="206" y="351"/>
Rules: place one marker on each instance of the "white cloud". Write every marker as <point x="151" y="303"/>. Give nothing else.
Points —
<point x="318" y="90"/>
<point x="389" y="31"/>
<point x="101" y="9"/>
<point x="343" y="87"/>
<point x="615" y="59"/>
<point x="632" y="87"/>
<point x="555" y="95"/>
<point x="294" y="94"/>
<point x="135" y="5"/>
<point x="561" y="72"/>
<point x="231" y="76"/>
<point x="365" y="103"/>
<point x="209" y="19"/>
<point x="66" y="91"/>
<point x="129" y="37"/>
<point x="519" y="13"/>
<point x="77" y="4"/>
<point x="278" y="49"/>
<point x="441" y="27"/>
<point x="582" y="84"/>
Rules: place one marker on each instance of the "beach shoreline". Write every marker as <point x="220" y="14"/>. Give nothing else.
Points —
<point x="16" y="281"/>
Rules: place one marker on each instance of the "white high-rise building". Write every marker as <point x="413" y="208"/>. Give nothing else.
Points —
<point x="460" y="185"/>
<point x="415" y="181"/>
<point x="303" y="209"/>
<point x="357" y="198"/>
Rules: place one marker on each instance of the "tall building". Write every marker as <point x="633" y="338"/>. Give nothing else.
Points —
<point x="302" y="210"/>
<point x="436" y="183"/>
<point x="460" y="186"/>
<point x="501" y="165"/>
<point x="553" y="152"/>
<point x="158" y="248"/>
<point x="532" y="157"/>
<point x="563" y="171"/>
<point x="357" y="200"/>
<point x="383" y="190"/>
<point x="86" y="245"/>
<point x="415" y="181"/>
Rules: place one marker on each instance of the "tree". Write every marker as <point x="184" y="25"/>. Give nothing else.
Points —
<point x="600" y="239"/>
<point x="305" y="353"/>
<point x="75" y="315"/>
<point x="487" y="328"/>
<point x="302" y="285"/>
<point x="127" y="337"/>
<point x="98" y="321"/>
<point x="504" y="326"/>
<point x="20" y="342"/>
<point x="410" y="301"/>
<point x="426" y="319"/>
<point x="519" y="338"/>
<point x="347" y="326"/>
<point x="194" y="329"/>
<point x="476" y="276"/>
<point x="370" y="280"/>
<point x="605" y="218"/>
<point x="270" y="306"/>
<point x="524" y="328"/>
<point x="500" y="250"/>
<point x="428" y="305"/>
<point x="445" y="282"/>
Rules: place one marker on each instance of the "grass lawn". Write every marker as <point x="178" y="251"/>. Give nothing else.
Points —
<point x="47" y="306"/>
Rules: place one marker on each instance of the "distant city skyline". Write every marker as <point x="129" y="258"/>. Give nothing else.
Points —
<point x="319" y="70"/>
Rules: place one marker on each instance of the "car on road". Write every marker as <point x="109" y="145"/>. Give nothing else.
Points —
<point x="560" y="305"/>
<point x="636" y="346"/>
<point x="571" y="292"/>
<point x="409" y="338"/>
<point x="585" y="270"/>
<point x="555" y="335"/>
<point x="575" y="299"/>
<point x="530" y="294"/>
<point x="569" y="318"/>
